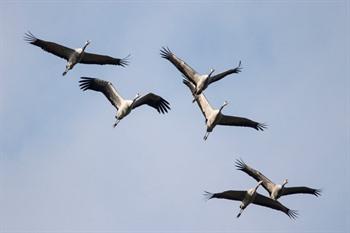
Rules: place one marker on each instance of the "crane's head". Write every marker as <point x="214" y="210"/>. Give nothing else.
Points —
<point x="211" y="72"/>
<point x="225" y="104"/>
<point x="136" y="97"/>
<point x="285" y="182"/>
<point x="86" y="44"/>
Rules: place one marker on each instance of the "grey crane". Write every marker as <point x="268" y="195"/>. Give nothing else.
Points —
<point x="275" y="190"/>
<point x="214" y="117"/>
<point x="201" y="82"/>
<point x="252" y="197"/>
<point x="123" y="106"/>
<point x="74" y="56"/>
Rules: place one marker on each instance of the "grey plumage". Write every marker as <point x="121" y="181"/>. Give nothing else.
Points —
<point x="123" y="107"/>
<point x="275" y="191"/>
<point x="257" y="200"/>
<point x="214" y="117"/>
<point x="74" y="56"/>
<point x="201" y="82"/>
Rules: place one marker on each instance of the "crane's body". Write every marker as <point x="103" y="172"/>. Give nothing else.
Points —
<point x="214" y="117"/>
<point x="123" y="106"/>
<point x="275" y="190"/>
<point x="74" y="56"/>
<point x="200" y="81"/>
<point x="251" y="196"/>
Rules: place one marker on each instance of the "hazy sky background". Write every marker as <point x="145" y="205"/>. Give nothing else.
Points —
<point x="64" y="168"/>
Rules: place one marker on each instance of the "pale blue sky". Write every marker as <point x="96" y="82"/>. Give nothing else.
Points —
<point x="63" y="167"/>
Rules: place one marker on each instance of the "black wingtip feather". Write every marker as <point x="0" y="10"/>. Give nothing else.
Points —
<point x="165" y="52"/>
<point x="240" y="164"/>
<point x="163" y="106"/>
<point x="317" y="192"/>
<point x="29" y="37"/>
<point x="293" y="214"/>
<point x="166" y="102"/>
<point x="125" y="61"/>
<point x="85" y="83"/>
<point x="208" y="195"/>
<point x="261" y="126"/>
<point x="238" y="69"/>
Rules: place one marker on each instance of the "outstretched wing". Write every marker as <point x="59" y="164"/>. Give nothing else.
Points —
<point x="103" y="86"/>
<point x="270" y="203"/>
<point x="154" y="101"/>
<point x="301" y="190"/>
<point x="201" y="100"/>
<point x="184" y="68"/>
<point x="258" y="176"/>
<point x="229" y="195"/>
<point x="240" y="121"/>
<point x="90" y="58"/>
<point x="51" y="47"/>
<point x="217" y="77"/>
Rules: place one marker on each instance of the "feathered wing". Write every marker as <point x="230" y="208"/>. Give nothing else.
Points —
<point x="51" y="47"/>
<point x="103" y="86"/>
<point x="201" y="100"/>
<point x="270" y="203"/>
<point x="153" y="100"/>
<point x="184" y="68"/>
<point x="229" y="195"/>
<point x="258" y="176"/>
<point x="90" y="58"/>
<point x="240" y="121"/>
<point x="300" y="190"/>
<point x="222" y="75"/>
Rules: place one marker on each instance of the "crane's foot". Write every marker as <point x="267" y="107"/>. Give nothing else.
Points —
<point x="116" y="123"/>
<point x="206" y="136"/>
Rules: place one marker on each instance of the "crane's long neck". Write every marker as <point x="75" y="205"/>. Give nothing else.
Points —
<point x="134" y="100"/>
<point x="211" y="72"/>
<point x="257" y="186"/>
<point x="86" y="44"/>
<point x="284" y="183"/>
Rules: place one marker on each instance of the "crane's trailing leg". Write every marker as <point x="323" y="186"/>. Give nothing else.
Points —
<point x="206" y="135"/>
<point x="69" y="66"/>
<point x="65" y="72"/>
<point x="240" y="212"/>
<point x="116" y="123"/>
